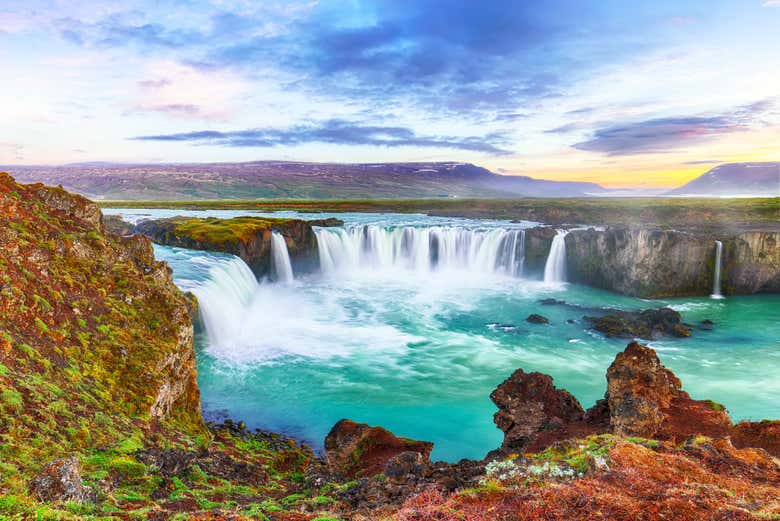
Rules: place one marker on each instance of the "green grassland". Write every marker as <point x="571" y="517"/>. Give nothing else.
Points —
<point x="748" y="213"/>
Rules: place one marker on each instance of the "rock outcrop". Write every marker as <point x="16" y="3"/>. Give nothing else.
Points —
<point x="665" y="263"/>
<point x="646" y="399"/>
<point x="643" y="399"/>
<point x="646" y="323"/>
<point x="538" y="241"/>
<point x="359" y="450"/>
<point x="532" y="412"/>
<point x="97" y="304"/>
<point x="246" y="237"/>
<point x="60" y="480"/>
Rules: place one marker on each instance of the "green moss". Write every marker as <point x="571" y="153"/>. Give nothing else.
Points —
<point x="715" y="406"/>
<point x="11" y="399"/>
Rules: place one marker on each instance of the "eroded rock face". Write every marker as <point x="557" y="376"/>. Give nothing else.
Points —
<point x="359" y="450"/>
<point x="537" y="247"/>
<point x="662" y="263"/>
<point x="647" y="324"/>
<point x="69" y="283"/>
<point x="530" y="408"/>
<point x="646" y="399"/>
<point x="638" y="389"/>
<point x="245" y="237"/>
<point x="60" y="480"/>
<point x="751" y="263"/>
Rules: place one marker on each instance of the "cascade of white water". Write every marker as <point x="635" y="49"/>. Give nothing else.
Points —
<point x="281" y="267"/>
<point x="421" y="249"/>
<point x="230" y="288"/>
<point x="555" y="267"/>
<point x="716" y="282"/>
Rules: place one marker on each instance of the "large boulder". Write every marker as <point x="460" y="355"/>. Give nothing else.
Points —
<point x="646" y="323"/>
<point x="532" y="411"/>
<point x="359" y="450"/>
<point x="60" y="480"/>
<point x="646" y="399"/>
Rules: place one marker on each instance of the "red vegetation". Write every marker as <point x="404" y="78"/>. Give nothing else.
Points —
<point x="710" y="480"/>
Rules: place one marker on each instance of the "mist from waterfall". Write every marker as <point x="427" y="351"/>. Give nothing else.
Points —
<point x="716" y="291"/>
<point x="555" y="267"/>
<point x="281" y="267"/>
<point x="421" y="250"/>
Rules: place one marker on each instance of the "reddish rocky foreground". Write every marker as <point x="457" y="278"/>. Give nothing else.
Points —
<point x="643" y="399"/>
<point x="647" y="451"/>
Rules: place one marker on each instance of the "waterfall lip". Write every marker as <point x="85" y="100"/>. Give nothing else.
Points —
<point x="422" y="249"/>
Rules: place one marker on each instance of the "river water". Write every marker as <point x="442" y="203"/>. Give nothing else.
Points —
<point x="412" y="321"/>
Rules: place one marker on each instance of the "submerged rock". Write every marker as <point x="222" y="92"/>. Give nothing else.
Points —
<point x="647" y="324"/>
<point x="359" y="450"/>
<point x="533" y="318"/>
<point x="60" y="480"/>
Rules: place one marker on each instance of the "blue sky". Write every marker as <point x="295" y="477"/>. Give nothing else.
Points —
<point x="622" y="93"/>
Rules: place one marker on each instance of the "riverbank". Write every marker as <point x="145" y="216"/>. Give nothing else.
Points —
<point x="750" y="214"/>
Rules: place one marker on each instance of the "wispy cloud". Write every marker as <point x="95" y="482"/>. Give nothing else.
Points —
<point x="336" y="132"/>
<point x="659" y="135"/>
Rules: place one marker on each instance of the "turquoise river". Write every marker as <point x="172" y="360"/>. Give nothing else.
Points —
<point x="411" y="321"/>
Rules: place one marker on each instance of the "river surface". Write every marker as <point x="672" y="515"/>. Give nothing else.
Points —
<point x="412" y="321"/>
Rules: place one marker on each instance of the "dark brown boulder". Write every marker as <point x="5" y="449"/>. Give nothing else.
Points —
<point x="60" y="480"/>
<point x="646" y="323"/>
<point x="359" y="450"/>
<point x="532" y="411"/>
<point x="646" y="399"/>
<point x="533" y="318"/>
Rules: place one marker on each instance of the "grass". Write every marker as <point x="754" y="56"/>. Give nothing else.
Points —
<point x="673" y="212"/>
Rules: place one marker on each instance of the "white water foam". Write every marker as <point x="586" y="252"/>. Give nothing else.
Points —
<point x="716" y="282"/>
<point x="421" y="250"/>
<point x="555" y="267"/>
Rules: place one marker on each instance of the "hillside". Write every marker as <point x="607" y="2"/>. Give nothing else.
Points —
<point x="735" y="179"/>
<point x="290" y="180"/>
<point x="100" y="416"/>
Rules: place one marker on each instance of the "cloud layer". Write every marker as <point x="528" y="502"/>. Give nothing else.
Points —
<point x="336" y="132"/>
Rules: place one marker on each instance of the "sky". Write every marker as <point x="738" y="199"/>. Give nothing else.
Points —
<point x="627" y="94"/>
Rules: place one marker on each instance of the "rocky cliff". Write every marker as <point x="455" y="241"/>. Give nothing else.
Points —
<point x="663" y="263"/>
<point x="74" y="297"/>
<point x="246" y="237"/>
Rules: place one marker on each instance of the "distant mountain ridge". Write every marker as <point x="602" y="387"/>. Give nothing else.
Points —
<point x="735" y="179"/>
<point x="294" y="180"/>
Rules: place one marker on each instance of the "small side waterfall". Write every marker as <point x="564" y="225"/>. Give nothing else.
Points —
<point x="422" y="250"/>
<point x="716" y="281"/>
<point x="555" y="267"/>
<point x="281" y="268"/>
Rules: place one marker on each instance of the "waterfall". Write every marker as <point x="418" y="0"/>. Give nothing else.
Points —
<point x="230" y="288"/>
<point x="281" y="268"/>
<point x="422" y="250"/>
<point x="716" y="282"/>
<point x="555" y="267"/>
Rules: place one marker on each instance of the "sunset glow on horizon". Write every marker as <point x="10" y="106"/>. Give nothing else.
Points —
<point x="634" y="95"/>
